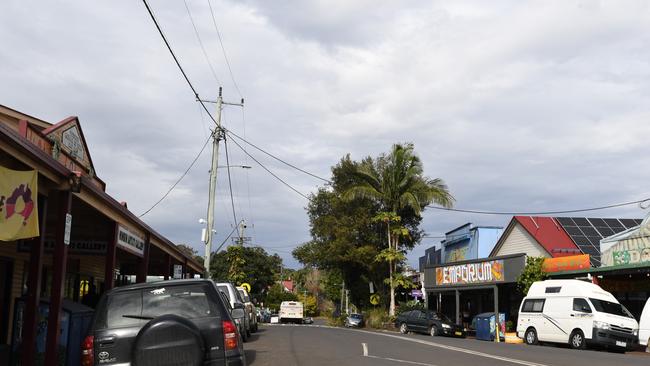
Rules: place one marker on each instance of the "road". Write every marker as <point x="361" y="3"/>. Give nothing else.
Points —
<point x="315" y="345"/>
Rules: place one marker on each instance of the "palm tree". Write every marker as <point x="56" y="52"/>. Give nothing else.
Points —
<point x="397" y="182"/>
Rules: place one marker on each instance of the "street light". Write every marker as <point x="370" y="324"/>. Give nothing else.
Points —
<point x="235" y="166"/>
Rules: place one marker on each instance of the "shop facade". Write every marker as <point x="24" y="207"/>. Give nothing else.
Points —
<point x="82" y="242"/>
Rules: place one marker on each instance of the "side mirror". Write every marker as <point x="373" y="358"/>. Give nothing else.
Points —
<point x="238" y="313"/>
<point x="239" y="305"/>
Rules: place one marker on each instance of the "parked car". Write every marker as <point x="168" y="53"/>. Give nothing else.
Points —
<point x="354" y="320"/>
<point x="429" y="322"/>
<point x="644" y="325"/>
<point x="575" y="312"/>
<point x="237" y="317"/>
<point x="264" y="315"/>
<point x="250" y="308"/>
<point x="236" y="302"/>
<point x="151" y="323"/>
<point x="308" y="320"/>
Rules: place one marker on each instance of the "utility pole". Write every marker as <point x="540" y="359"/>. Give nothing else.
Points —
<point x="217" y="136"/>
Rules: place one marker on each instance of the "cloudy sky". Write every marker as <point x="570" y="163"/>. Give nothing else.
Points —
<point x="517" y="105"/>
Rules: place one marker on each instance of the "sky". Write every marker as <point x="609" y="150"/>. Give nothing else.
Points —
<point x="516" y="105"/>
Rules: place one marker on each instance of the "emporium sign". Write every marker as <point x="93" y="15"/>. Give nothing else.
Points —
<point x="471" y="273"/>
<point x="130" y="240"/>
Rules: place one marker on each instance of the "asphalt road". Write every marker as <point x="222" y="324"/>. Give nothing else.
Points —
<point x="316" y="345"/>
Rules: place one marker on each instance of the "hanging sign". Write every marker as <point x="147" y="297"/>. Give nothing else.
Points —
<point x="469" y="273"/>
<point x="18" y="204"/>
<point x="568" y="263"/>
<point x="68" y="228"/>
<point x="130" y="241"/>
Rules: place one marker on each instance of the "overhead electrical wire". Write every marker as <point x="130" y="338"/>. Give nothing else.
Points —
<point x="541" y="212"/>
<point x="232" y="199"/>
<point x="178" y="180"/>
<point x="277" y="158"/>
<point x="198" y="37"/>
<point x="223" y="49"/>
<point x="270" y="172"/>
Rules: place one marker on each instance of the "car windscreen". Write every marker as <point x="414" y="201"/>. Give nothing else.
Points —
<point x="137" y="307"/>
<point x="356" y="316"/>
<point x="244" y="296"/>
<point x="610" y="308"/>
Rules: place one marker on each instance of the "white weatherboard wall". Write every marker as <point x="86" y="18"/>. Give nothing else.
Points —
<point x="518" y="240"/>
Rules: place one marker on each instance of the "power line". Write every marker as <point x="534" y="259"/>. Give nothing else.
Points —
<point x="179" y="179"/>
<point x="270" y="172"/>
<point x="225" y="56"/>
<point x="171" y="51"/>
<point x="276" y="158"/>
<point x="541" y="212"/>
<point x="198" y="37"/>
<point x="232" y="200"/>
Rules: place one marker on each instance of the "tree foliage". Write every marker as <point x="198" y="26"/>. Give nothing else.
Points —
<point x="276" y="296"/>
<point x="190" y="252"/>
<point x="532" y="272"/>
<point x="239" y="264"/>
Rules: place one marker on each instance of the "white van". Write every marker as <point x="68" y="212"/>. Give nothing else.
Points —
<point x="575" y="312"/>
<point x="644" y="326"/>
<point x="291" y="311"/>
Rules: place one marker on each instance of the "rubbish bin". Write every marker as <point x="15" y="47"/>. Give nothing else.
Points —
<point x="75" y="321"/>
<point x="485" y="330"/>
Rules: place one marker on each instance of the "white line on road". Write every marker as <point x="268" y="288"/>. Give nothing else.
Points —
<point x="439" y="345"/>
<point x="365" y="354"/>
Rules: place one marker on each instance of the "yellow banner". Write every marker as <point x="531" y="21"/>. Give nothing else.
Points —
<point x="18" y="204"/>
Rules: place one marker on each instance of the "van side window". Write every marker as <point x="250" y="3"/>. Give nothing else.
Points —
<point x="581" y="305"/>
<point x="533" y="306"/>
<point x="553" y="290"/>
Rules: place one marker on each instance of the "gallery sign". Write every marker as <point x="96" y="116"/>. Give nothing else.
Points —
<point x="471" y="273"/>
<point x="130" y="240"/>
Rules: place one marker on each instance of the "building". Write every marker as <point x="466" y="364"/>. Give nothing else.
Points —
<point x="82" y="241"/>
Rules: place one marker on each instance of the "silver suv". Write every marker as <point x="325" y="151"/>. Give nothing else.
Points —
<point x="236" y="302"/>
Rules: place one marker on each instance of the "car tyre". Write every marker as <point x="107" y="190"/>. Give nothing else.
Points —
<point x="403" y="328"/>
<point x="244" y="335"/>
<point x="577" y="340"/>
<point x="433" y="331"/>
<point x="531" y="337"/>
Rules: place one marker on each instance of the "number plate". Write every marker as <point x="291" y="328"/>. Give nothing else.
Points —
<point x="621" y="344"/>
<point x="459" y="333"/>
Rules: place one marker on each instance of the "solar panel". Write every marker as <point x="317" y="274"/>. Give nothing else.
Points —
<point x="586" y="233"/>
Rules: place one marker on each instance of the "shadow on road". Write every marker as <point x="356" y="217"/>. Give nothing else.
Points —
<point x="250" y="356"/>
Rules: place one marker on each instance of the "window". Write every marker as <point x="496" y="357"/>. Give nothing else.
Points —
<point x="581" y="305"/>
<point x="610" y="308"/>
<point x="533" y="306"/>
<point x="553" y="290"/>
<point x="415" y="314"/>
<point x="433" y="316"/>
<point x="422" y="315"/>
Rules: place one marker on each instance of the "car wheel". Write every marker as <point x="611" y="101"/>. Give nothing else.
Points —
<point x="403" y="328"/>
<point x="244" y="335"/>
<point x="531" y="336"/>
<point x="577" y="340"/>
<point x="168" y="337"/>
<point x="433" y="331"/>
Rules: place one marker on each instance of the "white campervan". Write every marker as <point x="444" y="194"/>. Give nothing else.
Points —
<point x="644" y="326"/>
<point x="575" y="312"/>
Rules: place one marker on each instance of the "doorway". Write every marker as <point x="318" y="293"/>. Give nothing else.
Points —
<point x="6" y="277"/>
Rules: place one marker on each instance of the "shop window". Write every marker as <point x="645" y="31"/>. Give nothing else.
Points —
<point x="533" y="306"/>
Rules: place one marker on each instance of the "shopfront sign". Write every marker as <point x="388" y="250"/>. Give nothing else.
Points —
<point x="18" y="204"/>
<point x="633" y="250"/>
<point x="568" y="263"/>
<point x="130" y="240"/>
<point x="471" y="273"/>
<point x="80" y="247"/>
<point x="178" y="271"/>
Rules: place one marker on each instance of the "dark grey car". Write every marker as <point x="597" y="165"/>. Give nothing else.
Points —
<point x="180" y="322"/>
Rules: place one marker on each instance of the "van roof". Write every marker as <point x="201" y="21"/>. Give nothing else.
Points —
<point x="559" y="288"/>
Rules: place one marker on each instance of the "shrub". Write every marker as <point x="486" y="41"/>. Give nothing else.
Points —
<point x="376" y="318"/>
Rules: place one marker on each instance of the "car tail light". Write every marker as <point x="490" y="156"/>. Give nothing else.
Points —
<point x="87" y="351"/>
<point x="229" y="335"/>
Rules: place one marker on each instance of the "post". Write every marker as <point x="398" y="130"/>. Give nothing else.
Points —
<point x="169" y="265"/>
<point x="342" y="295"/>
<point x="216" y="137"/>
<point x="143" y="262"/>
<point x="457" y="306"/>
<point x="109" y="265"/>
<point x="60" y="261"/>
<point x="33" y="289"/>
<point x="496" y="314"/>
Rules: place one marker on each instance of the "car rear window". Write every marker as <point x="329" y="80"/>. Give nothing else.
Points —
<point x="244" y="296"/>
<point x="137" y="307"/>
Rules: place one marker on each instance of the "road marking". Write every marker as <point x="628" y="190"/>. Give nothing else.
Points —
<point x="439" y="345"/>
<point x="365" y="354"/>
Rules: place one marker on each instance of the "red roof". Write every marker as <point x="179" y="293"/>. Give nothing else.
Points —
<point x="288" y="285"/>
<point x="549" y="234"/>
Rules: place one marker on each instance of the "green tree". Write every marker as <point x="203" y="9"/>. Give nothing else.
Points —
<point x="190" y="252"/>
<point x="532" y="272"/>
<point x="396" y="183"/>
